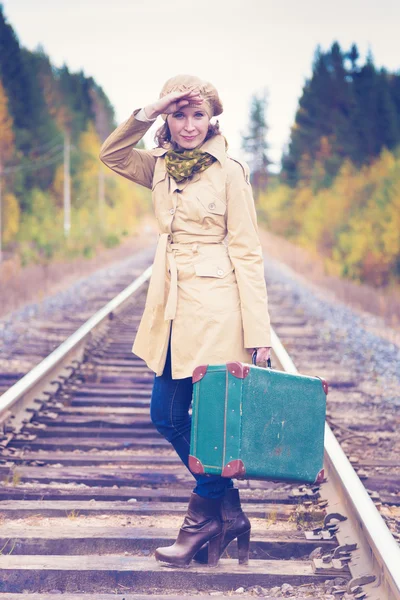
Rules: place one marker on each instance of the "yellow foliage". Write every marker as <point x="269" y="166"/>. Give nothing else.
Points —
<point x="354" y="224"/>
<point x="6" y="129"/>
<point x="40" y="233"/>
<point x="273" y="208"/>
<point x="87" y="176"/>
<point x="104" y="208"/>
<point x="11" y="214"/>
<point x="96" y="216"/>
<point x="332" y="268"/>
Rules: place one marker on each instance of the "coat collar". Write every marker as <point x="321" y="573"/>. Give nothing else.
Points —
<point x="214" y="146"/>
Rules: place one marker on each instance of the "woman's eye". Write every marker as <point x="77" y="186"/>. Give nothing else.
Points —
<point x="199" y="115"/>
<point x="178" y="115"/>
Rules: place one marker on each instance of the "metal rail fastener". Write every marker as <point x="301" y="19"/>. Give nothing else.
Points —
<point x="384" y="548"/>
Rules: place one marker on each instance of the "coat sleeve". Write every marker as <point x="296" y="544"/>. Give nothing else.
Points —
<point x="246" y="255"/>
<point x="119" y="154"/>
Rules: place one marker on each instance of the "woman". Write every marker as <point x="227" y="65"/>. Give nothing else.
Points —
<point x="207" y="301"/>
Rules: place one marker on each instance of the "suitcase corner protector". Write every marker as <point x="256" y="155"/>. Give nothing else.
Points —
<point x="320" y="477"/>
<point x="199" y="373"/>
<point x="238" y="369"/>
<point x="235" y="468"/>
<point x="324" y="384"/>
<point x="195" y="465"/>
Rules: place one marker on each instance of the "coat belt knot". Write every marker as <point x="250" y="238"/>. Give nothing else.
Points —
<point x="165" y="255"/>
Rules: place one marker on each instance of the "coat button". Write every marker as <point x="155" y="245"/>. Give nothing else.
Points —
<point x="172" y="211"/>
<point x="211" y="206"/>
<point x="220" y="272"/>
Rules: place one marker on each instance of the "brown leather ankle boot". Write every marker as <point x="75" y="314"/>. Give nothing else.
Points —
<point x="202" y="524"/>
<point x="235" y="526"/>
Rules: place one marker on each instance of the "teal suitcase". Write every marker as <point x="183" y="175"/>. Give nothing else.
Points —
<point x="255" y="423"/>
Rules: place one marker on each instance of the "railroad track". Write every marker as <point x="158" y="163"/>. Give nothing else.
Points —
<point x="90" y="489"/>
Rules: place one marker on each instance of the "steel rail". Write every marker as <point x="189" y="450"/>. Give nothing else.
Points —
<point x="371" y="528"/>
<point x="29" y="386"/>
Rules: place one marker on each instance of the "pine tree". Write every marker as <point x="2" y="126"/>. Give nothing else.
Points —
<point x="311" y="120"/>
<point x="12" y="72"/>
<point x="48" y="80"/>
<point x="343" y="104"/>
<point x="103" y="112"/>
<point x="387" y="117"/>
<point x="75" y="89"/>
<point x="254" y="143"/>
<point x="353" y="111"/>
<point x="365" y="84"/>
<point x="353" y="56"/>
<point x="394" y="83"/>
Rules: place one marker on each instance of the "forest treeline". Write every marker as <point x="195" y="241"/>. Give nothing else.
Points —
<point x="338" y="193"/>
<point x="40" y="107"/>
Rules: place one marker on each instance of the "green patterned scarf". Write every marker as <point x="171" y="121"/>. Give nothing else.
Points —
<point x="183" y="164"/>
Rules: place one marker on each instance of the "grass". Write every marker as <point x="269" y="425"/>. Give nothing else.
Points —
<point x="72" y="514"/>
<point x="13" y="478"/>
<point x="21" y="285"/>
<point x="304" y="518"/>
<point x="271" y="518"/>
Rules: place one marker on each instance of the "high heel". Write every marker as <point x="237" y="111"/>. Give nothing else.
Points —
<point x="202" y="524"/>
<point x="214" y="550"/>
<point x="235" y="525"/>
<point x="243" y="546"/>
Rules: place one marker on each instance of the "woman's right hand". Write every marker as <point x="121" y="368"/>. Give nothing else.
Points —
<point x="172" y="102"/>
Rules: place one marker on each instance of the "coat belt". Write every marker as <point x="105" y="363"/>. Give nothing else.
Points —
<point x="165" y="254"/>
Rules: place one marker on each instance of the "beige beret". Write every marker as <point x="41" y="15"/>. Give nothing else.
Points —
<point x="181" y="83"/>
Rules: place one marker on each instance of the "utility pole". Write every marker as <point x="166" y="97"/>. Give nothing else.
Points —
<point x="67" y="184"/>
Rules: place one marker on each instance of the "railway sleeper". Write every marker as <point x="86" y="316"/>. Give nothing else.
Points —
<point x="64" y="540"/>
<point x="105" y="572"/>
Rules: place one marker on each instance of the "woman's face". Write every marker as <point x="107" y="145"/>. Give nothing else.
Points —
<point x="188" y="126"/>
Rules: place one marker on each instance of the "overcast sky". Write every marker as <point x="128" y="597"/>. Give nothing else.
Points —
<point x="131" y="47"/>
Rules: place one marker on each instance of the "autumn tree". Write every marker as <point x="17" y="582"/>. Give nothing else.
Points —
<point x="7" y="138"/>
<point x="39" y="105"/>
<point x="10" y="211"/>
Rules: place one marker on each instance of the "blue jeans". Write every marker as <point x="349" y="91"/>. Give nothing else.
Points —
<point x="169" y="411"/>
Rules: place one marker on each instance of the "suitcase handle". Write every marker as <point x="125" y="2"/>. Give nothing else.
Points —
<point x="254" y="359"/>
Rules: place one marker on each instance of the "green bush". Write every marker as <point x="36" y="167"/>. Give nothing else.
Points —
<point x="88" y="251"/>
<point x="111" y="240"/>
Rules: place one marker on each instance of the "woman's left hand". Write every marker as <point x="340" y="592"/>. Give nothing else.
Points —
<point x="263" y="354"/>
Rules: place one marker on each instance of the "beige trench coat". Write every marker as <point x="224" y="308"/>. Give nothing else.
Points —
<point x="207" y="288"/>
